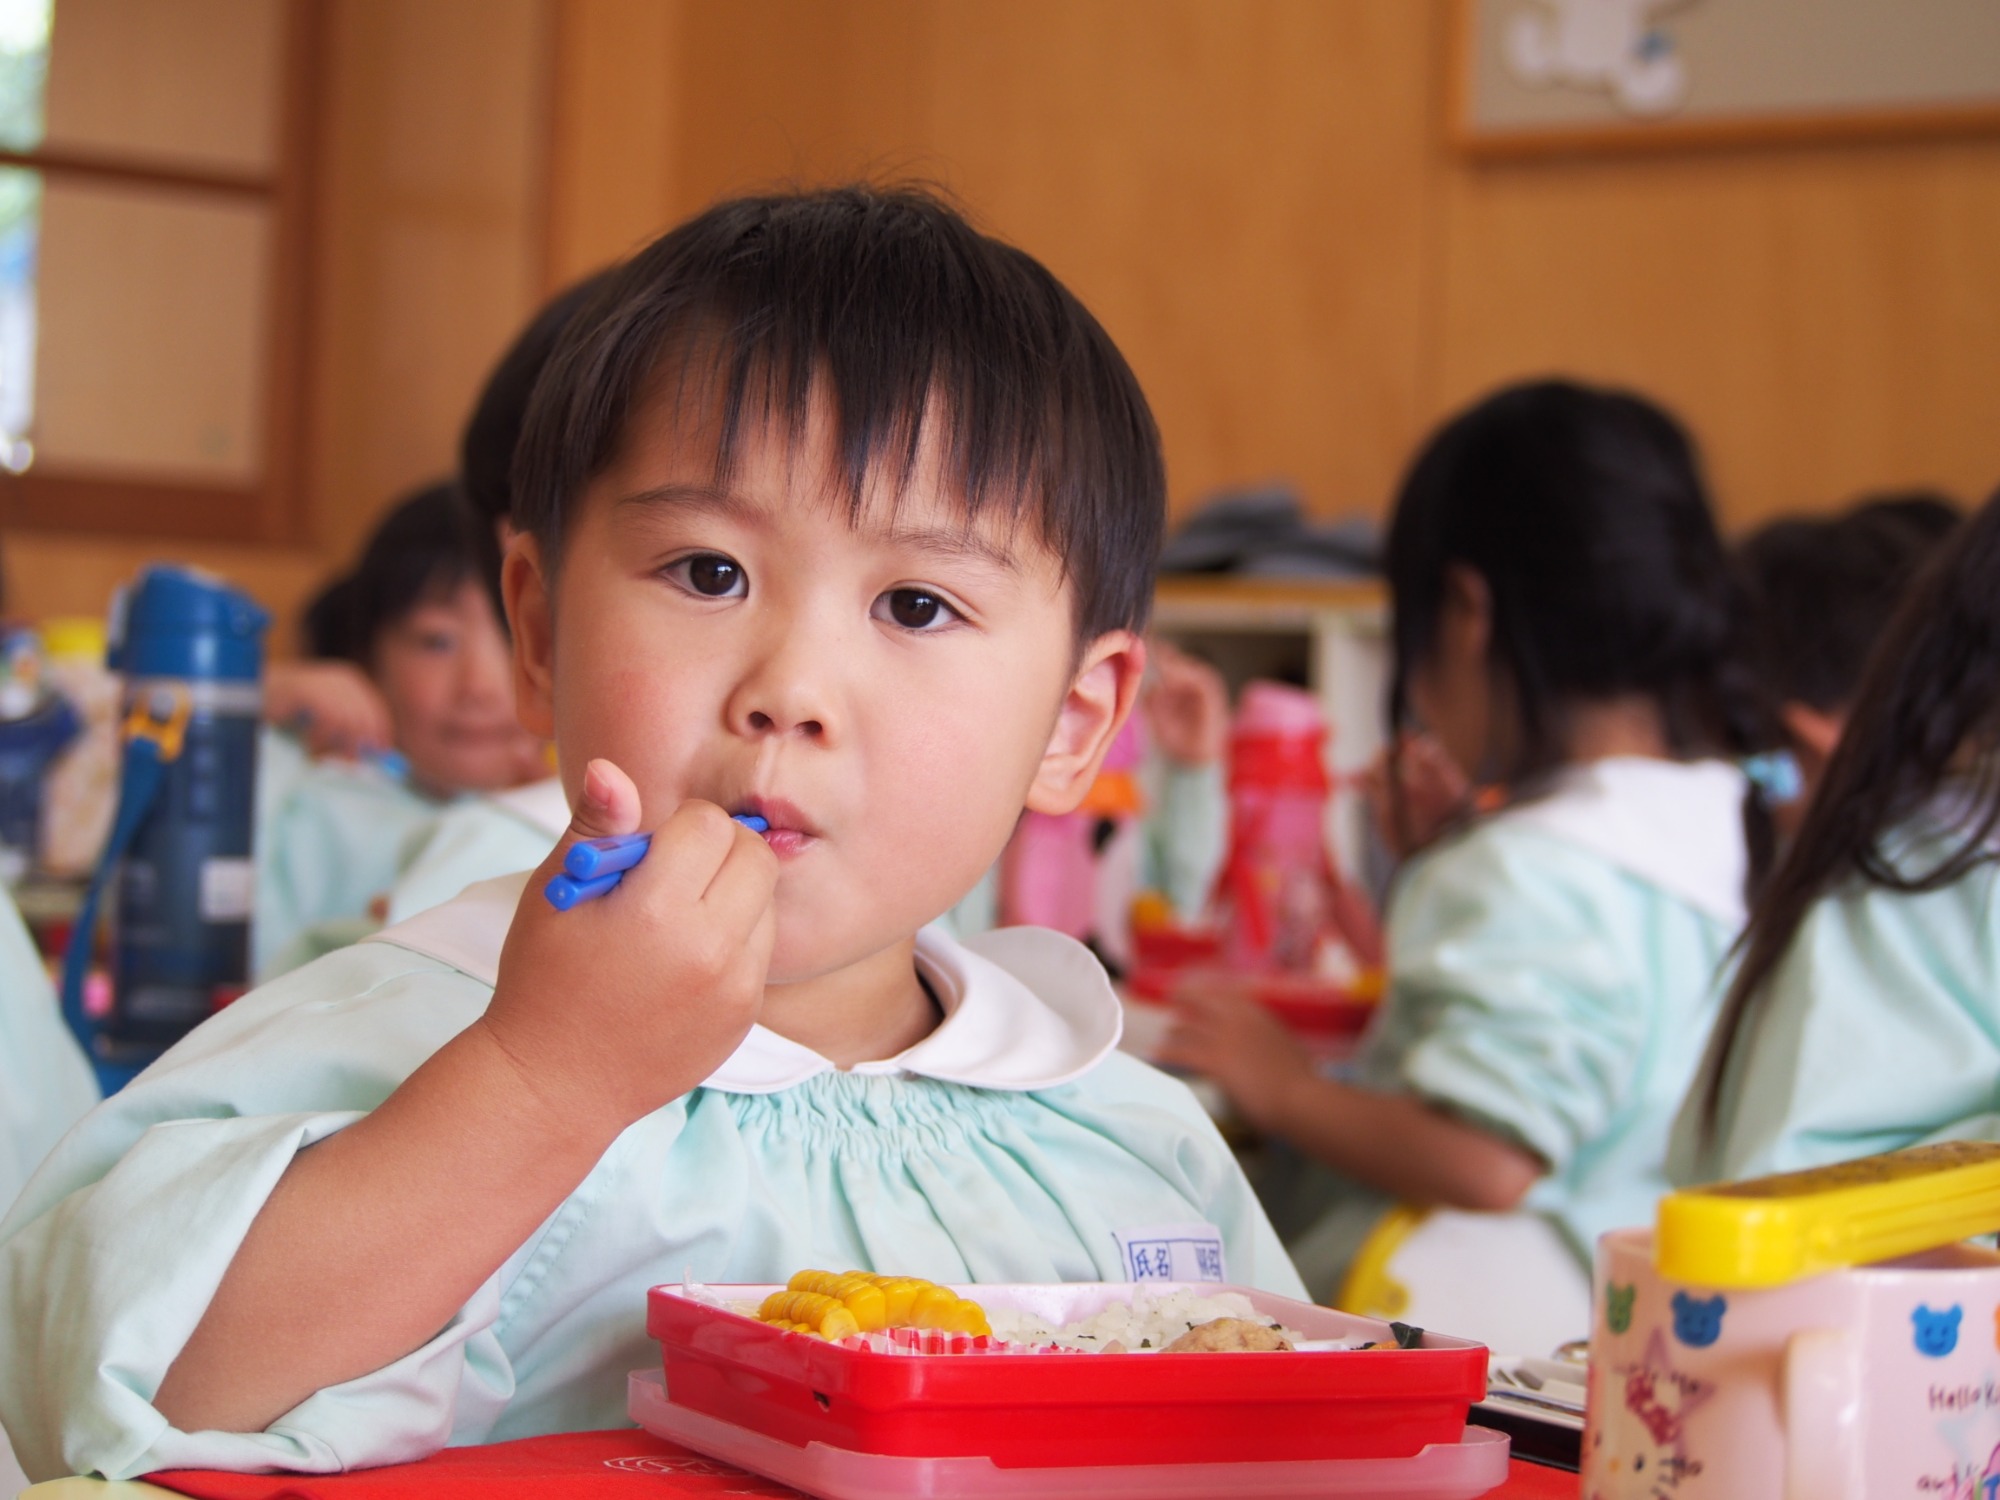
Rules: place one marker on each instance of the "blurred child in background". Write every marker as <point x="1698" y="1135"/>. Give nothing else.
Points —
<point x="514" y="827"/>
<point x="1563" y="629"/>
<point x="1819" y="591"/>
<point x="414" y="618"/>
<point x="1865" y="1015"/>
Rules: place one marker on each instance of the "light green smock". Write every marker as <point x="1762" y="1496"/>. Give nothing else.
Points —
<point x="1552" y="977"/>
<point x="331" y="838"/>
<point x="478" y="839"/>
<point x="45" y="1081"/>
<point x="116" y="1247"/>
<point x="1879" y="1029"/>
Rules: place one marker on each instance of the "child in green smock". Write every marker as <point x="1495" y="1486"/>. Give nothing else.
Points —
<point x="1562" y="623"/>
<point x="832" y="511"/>
<point x="1865" y="1015"/>
<point x="1818" y="592"/>
<point x="335" y="833"/>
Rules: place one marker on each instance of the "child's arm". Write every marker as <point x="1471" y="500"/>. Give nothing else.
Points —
<point x="1417" y="797"/>
<point x="375" y="1237"/>
<point x="1186" y="704"/>
<point x="1393" y="1142"/>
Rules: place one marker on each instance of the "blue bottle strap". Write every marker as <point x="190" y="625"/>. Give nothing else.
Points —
<point x="152" y="743"/>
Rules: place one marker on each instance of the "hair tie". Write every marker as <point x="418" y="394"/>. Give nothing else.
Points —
<point x="1776" y="774"/>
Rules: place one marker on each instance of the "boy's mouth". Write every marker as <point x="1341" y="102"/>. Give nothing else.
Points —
<point x="790" y="831"/>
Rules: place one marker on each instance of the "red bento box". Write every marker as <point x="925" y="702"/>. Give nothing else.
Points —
<point x="1066" y="1410"/>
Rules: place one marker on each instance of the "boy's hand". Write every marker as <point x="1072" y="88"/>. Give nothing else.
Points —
<point x="622" y="1004"/>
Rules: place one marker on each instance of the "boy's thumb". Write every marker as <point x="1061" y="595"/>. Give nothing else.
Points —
<point x="606" y="805"/>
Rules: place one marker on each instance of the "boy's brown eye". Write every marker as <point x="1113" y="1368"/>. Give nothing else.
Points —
<point x="713" y="575"/>
<point x="914" y="609"/>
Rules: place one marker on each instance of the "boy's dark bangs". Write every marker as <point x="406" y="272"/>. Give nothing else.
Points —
<point x="911" y="328"/>
<point x="882" y="418"/>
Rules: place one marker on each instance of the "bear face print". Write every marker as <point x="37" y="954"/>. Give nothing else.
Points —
<point x="1937" y="1332"/>
<point x="1698" y="1320"/>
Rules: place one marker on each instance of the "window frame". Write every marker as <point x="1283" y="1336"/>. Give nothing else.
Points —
<point x="273" y="508"/>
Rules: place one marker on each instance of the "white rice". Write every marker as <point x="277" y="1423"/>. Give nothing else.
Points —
<point x="1151" y="1320"/>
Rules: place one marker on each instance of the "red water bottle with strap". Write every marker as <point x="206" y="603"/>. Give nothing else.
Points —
<point x="1282" y="905"/>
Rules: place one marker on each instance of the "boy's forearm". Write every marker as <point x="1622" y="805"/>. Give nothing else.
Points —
<point x="375" y="1236"/>
<point x="1400" y="1145"/>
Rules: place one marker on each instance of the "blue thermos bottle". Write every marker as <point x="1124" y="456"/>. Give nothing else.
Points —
<point x="191" y="651"/>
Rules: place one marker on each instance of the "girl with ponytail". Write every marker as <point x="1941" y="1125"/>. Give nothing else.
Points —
<point x="1865" y="1014"/>
<point x="1563" y="629"/>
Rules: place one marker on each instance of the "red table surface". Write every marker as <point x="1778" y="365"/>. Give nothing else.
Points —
<point x="589" y="1465"/>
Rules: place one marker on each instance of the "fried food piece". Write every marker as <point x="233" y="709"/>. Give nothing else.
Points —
<point x="1229" y="1335"/>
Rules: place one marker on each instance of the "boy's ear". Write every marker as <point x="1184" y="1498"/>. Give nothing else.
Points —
<point x="1099" y="700"/>
<point x="524" y="589"/>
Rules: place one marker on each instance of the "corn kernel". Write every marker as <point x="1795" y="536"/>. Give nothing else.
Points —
<point x="837" y="1304"/>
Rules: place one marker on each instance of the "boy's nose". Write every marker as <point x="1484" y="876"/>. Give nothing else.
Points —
<point x="784" y="691"/>
<point x="763" y="723"/>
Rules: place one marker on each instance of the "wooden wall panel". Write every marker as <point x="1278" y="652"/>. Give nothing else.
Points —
<point x="431" y="234"/>
<point x="799" y="91"/>
<point x="1254" y="196"/>
<point x="1234" y="190"/>
<point x="1826" y="320"/>
<point x="429" y="242"/>
<point x="614" y="132"/>
<point x="1257" y="200"/>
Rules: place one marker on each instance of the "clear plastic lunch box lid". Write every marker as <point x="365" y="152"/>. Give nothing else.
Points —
<point x="1474" y="1465"/>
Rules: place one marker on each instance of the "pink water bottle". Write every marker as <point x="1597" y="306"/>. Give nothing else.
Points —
<point x="1282" y="904"/>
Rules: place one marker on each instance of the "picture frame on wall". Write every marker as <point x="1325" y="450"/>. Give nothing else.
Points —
<point x="1535" y="78"/>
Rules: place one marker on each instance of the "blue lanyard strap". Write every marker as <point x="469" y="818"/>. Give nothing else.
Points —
<point x="155" y="731"/>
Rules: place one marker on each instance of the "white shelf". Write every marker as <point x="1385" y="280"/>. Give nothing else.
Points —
<point x="1334" y="634"/>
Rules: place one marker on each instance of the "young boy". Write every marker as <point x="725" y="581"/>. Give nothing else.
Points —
<point x="833" y="511"/>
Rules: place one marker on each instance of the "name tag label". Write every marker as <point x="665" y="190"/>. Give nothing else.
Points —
<point x="1172" y="1252"/>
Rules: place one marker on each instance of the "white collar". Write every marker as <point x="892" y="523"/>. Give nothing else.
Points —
<point x="1677" y="825"/>
<point x="539" y="804"/>
<point x="1024" y="1008"/>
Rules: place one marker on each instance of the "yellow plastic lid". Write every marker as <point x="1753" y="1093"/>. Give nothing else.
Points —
<point x="74" y="636"/>
<point x="1771" y="1230"/>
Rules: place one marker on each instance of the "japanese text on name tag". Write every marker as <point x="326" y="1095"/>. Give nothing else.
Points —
<point x="1172" y="1252"/>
